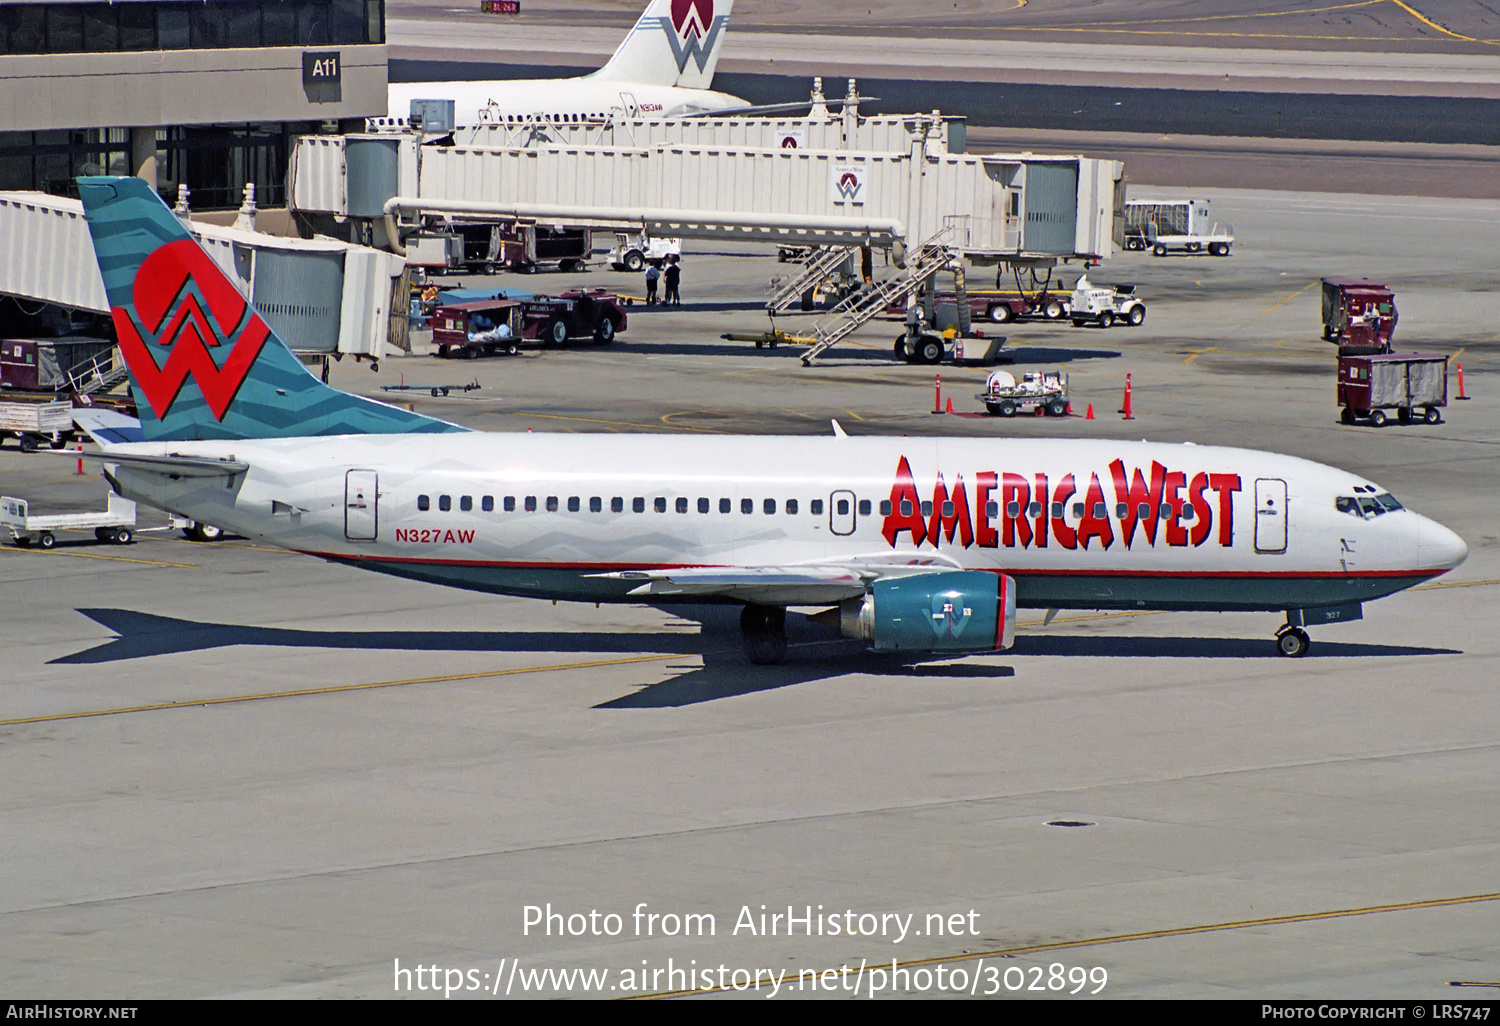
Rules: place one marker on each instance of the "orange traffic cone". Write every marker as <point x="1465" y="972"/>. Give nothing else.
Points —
<point x="937" y="395"/>
<point x="950" y="405"/>
<point x="1461" y="382"/>
<point x="1089" y="415"/>
<point x="1127" y="409"/>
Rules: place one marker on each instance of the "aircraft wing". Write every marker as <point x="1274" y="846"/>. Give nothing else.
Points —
<point x="817" y="584"/>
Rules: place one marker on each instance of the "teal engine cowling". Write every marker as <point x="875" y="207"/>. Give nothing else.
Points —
<point x="954" y="611"/>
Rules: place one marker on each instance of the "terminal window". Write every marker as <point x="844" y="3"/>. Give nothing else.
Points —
<point x="143" y="25"/>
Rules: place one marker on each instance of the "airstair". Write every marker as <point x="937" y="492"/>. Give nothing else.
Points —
<point x="99" y="375"/>
<point x="822" y="263"/>
<point x="868" y="303"/>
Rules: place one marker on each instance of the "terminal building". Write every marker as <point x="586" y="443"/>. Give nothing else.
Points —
<point x="207" y="94"/>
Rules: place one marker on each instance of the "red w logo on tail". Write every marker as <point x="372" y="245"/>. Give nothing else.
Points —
<point x="173" y="317"/>
<point x="703" y="10"/>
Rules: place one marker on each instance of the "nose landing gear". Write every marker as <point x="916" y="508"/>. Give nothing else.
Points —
<point x="1292" y="642"/>
<point x="764" y="628"/>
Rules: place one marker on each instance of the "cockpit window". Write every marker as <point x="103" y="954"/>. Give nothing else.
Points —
<point x="1372" y="505"/>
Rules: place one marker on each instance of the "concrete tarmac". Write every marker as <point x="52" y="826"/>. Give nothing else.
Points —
<point x="235" y="771"/>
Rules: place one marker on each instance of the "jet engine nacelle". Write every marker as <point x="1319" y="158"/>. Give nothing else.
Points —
<point x="956" y="611"/>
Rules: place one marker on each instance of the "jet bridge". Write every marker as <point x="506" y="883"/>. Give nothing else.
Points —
<point x="322" y="296"/>
<point x="1022" y="208"/>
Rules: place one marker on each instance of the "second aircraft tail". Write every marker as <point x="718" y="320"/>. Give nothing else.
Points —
<point x="675" y="43"/>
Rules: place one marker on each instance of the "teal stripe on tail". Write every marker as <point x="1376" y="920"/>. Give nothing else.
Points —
<point x="203" y="363"/>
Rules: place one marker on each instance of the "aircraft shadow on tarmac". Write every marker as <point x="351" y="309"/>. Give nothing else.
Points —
<point x="813" y="655"/>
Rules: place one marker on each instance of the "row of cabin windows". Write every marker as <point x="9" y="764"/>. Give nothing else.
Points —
<point x="842" y="507"/>
<point x="552" y="504"/>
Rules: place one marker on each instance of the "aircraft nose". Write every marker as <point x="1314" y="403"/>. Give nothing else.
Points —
<point x="1438" y="547"/>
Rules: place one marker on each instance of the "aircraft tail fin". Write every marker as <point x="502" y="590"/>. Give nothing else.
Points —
<point x="203" y="362"/>
<point x="675" y="43"/>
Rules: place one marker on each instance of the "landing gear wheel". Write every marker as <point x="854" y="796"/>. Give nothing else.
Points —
<point x="207" y="533"/>
<point x="930" y="349"/>
<point x="764" y="628"/>
<point x="1432" y="416"/>
<point x="1377" y="418"/>
<point x="46" y="540"/>
<point x="1293" y="642"/>
<point x="899" y="348"/>
<point x="604" y="334"/>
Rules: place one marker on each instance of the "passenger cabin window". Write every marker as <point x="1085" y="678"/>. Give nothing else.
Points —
<point x="638" y="504"/>
<point x="531" y="503"/>
<point x="661" y="504"/>
<point x="424" y="503"/>
<point x="703" y="505"/>
<point x="864" y="507"/>
<point x="885" y="507"/>
<point x="815" y="507"/>
<point x="992" y="509"/>
<point x="551" y="504"/>
<point x="445" y="503"/>
<point x="487" y="504"/>
<point x="682" y="504"/>
<point x="791" y="506"/>
<point x="573" y="504"/>
<point x="770" y="506"/>
<point x="725" y="506"/>
<point x="617" y="504"/>
<point x="842" y="506"/>
<point x="596" y="505"/>
<point x="747" y="505"/>
<point x="466" y="503"/>
<point x="510" y="504"/>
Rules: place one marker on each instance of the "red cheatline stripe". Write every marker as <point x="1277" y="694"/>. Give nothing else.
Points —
<point x="501" y="564"/>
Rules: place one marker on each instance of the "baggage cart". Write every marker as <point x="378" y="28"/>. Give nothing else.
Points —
<point x="37" y="422"/>
<point x="115" y="524"/>
<point x="1414" y="385"/>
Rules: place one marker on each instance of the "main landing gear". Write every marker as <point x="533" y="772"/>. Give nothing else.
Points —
<point x="764" y="628"/>
<point x="1292" y="642"/>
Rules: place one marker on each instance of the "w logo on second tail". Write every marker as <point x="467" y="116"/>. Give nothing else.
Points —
<point x="186" y="307"/>
<point x="692" y="31"/>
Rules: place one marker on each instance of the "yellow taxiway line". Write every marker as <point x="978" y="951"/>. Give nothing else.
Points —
<point x="335" y="689"/>
<point x="1178" y="931"/>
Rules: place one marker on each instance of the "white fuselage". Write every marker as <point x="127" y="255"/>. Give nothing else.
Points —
<point x="562" y="99"/>
<point x="1091" y="524"/>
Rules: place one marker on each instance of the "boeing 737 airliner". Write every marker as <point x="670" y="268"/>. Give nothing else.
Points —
<point x="663" y="69"/>
<point x="912" y="544"/>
